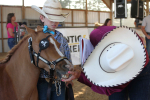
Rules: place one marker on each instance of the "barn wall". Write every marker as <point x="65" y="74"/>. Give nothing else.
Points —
<point x="75" y="18"/>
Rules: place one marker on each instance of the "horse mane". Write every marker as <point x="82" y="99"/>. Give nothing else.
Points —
<point x="12" y="51"/>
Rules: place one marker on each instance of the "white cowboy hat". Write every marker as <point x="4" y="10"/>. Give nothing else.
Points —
<point x="52" y="10"/>
<point x="117" y="59"/>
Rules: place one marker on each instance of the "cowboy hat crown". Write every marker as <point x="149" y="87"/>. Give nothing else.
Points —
<point x="116" y="57"/>
<point x="52" y="10"/>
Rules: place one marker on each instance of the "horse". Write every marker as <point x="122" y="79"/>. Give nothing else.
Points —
<point x="19" y="77"/>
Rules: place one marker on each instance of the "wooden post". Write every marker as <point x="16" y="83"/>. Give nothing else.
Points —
<point x="72" y="18"/>
<point x="23" y="10"/>
<point x="98" y="17"/>
<point x="111" y="11"/>
<point x="86" y="15"/>
<point x="2" y="28"/>
<point x="147" y="6"/>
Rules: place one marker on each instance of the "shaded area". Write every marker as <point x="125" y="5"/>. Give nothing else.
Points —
<point x="81" y="91"/>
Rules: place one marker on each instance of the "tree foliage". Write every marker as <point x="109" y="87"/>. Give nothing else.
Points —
<point x="97" y="5"/>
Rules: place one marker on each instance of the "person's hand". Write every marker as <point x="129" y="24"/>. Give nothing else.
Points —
<point x="74" y="75"/>
<point x="67" y="83"/>
<point x="148" y="36"/>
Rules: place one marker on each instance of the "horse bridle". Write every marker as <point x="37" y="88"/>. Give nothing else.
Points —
<point x="44" y="43"/>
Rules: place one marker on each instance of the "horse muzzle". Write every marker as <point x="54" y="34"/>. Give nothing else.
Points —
<point x="63" y="71"/>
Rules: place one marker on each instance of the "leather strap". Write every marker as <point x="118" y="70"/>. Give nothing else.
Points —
<point x="69" y="93"/>
<point x="69" y="90"/>
<point x="50" y="84"/>
<point x="49" y="89"/>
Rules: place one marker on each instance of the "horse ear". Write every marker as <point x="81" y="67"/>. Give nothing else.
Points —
<point x="39" y="29"/>
<point x="30" y="31"/>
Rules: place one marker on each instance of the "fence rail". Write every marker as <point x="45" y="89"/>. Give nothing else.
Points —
<point x="17" y="34"/>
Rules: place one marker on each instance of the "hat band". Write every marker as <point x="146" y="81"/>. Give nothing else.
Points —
<point x="101" y="55"/>
<point x="64" y="15"/>
<point x="52" y="7"/>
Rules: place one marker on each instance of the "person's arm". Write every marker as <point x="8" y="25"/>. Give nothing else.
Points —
<point x="10" y="30"/>
<point x="67" y="54"/>
<point x="108" y="90"/>
<point x="143" y="28"/>
<point x="101" y="90"/>
<point x="147" y="56"/>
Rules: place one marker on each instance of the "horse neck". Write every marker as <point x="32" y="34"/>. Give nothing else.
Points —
<point x="20" y="68"/>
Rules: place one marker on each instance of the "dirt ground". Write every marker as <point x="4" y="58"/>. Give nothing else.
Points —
<point x="81" y="91"/>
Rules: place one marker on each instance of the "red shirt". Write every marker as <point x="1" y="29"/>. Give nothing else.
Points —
<point x="10" y="25"/>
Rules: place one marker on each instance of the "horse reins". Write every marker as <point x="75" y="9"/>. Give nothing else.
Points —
<point x="44" y="43"/>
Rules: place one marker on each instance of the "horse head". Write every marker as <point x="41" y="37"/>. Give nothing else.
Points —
<point x="47" y="54"/>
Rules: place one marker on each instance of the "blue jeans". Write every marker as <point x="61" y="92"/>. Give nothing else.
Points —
<point x="138" y="89"/>
<point x="42" y="87"/>
<point x="148" y="46"/>
<point x="11" y="42"/>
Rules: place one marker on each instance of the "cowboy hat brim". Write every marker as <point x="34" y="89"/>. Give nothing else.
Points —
<point x="52" y="17"/>
<point x="98" y="76"/>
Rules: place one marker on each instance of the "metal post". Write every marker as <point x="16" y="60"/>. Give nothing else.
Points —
<point x="15" y="35"/>
<point x="19" y="33"/>
<point x="120" y="22"/>
<point x="137" y="22"/>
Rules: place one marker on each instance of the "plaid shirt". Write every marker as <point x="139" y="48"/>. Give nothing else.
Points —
<point x="64" y="48"/>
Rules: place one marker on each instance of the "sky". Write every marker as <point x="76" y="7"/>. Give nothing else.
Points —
<point x="40" y="3"/>
<point x="19" y="2"/>
<point x="26" y="2"/>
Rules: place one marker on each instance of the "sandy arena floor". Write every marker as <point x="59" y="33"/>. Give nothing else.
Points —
<point x="81" y="91"/>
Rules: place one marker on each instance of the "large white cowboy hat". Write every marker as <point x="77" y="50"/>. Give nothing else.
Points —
<point x="118" y="58"/>
<point x="52" y="10"/>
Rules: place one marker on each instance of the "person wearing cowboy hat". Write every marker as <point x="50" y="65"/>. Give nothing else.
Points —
<point x="51" y="15"/>
<point x="119" y="57"/>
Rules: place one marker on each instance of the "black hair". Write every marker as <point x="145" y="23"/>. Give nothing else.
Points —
<point x="9" y="16"/>
<point x="106" y="21"/>
<point x="20" y="23"/>
<point x="24" y="23"/>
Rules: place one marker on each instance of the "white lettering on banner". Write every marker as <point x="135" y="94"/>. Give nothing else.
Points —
<point x="72" y="35"/>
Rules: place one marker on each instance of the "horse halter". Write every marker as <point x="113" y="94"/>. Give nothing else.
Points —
<point x="44" y="43"/>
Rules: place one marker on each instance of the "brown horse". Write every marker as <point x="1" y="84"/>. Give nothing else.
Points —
<point x="18" y="76"/>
